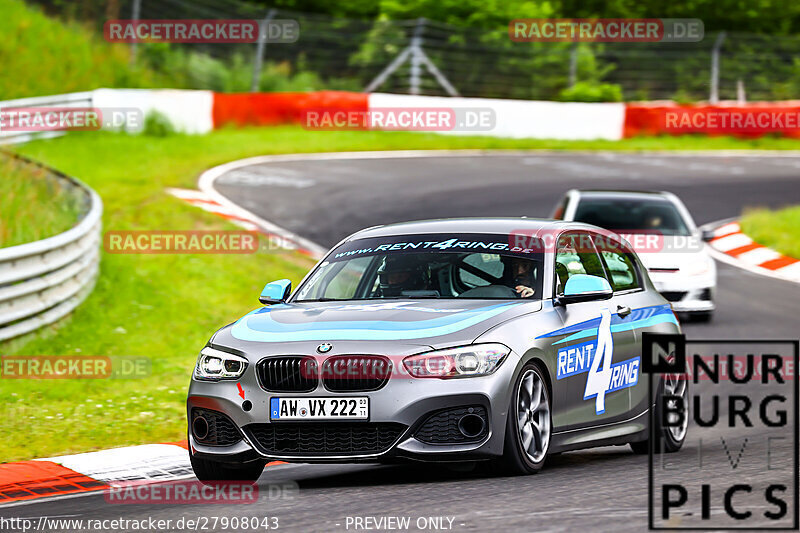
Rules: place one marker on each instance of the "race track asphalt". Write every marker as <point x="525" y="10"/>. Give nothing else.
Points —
<point x="604" y="489"/>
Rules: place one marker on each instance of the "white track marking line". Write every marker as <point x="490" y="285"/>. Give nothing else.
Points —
<point x="188" y="194"/>
<point x="207" y="178"/>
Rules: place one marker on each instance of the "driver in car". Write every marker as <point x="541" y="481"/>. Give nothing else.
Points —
<point x="400" y="274"/>
<point x="522" y="276"/>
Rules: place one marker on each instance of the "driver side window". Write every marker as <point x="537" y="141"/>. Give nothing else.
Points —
<point x="575" y="254"/>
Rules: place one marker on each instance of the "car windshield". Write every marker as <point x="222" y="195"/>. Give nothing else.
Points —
<point x="446" y="266"/>
<point x="632" y="215"/>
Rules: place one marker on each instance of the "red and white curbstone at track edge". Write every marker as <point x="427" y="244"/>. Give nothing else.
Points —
<point x="72" y="475"/>
<point x="732" y="246"/>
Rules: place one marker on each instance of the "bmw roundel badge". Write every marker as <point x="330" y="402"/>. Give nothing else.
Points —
<point x="325" y="347"/>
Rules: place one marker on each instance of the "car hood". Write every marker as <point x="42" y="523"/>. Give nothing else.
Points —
<point x="672" y="260"/>
<point x="431" y="323"/>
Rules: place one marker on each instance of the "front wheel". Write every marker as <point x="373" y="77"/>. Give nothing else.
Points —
<point x="528" y="429"/>
<point x="669" y="438"/>
<point x="211" y="471"/>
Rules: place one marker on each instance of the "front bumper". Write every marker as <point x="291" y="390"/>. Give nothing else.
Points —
<point x="686" y="293"/>
<point x="403" y="400"/>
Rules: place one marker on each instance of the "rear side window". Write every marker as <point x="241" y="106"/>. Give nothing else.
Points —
<point x="621" y="265"/>
<point x="576" y="254"/>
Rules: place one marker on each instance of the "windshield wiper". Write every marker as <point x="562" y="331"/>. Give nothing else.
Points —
<point x="322" y="300"/>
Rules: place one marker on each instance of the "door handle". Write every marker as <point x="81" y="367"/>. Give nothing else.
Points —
<point x="623" y="310"/>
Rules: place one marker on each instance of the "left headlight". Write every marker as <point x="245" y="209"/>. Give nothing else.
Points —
<point x="214" y="365"/>
<point x="703" y="265"/>
<point x="465" y="361"/>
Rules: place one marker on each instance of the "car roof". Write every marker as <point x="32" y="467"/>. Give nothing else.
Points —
<point x="624" y="194"/>
<point x="499" y="226"/>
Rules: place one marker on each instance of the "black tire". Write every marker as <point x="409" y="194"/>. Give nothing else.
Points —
<point x="515" y="460"/>
<point x="702" y="317"/>
<point x="665" y="439"/>
<point x="211" y="471"/>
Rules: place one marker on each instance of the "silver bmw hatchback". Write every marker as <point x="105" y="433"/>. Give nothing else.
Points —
<point x="498" y="339"/>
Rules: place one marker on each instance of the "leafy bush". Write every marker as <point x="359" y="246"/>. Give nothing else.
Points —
<point x="584" y="91"/>
<point x="156" y="124"/>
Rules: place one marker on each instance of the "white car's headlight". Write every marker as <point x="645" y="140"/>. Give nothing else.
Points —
<point x="697" y="268"/>
<point x="215" y="364"/>
<point x="465" y="361"/>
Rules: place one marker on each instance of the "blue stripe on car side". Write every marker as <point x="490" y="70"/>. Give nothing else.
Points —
<point x="269" y="330"/>
<point x="644" y="323"/>
<point x="639" y="318"/>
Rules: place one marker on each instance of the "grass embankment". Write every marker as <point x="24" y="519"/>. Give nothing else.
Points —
<point x="779" y="230"/>
<point x="166" y="306"/>
<point x="44" y="56"/>
<point x="34" y="206"/>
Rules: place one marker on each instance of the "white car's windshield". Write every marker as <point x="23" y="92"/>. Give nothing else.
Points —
<point x="632" y="215"/>
<point x="427" y="266"/>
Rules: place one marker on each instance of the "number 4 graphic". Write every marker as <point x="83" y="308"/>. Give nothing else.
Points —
<point x="599" y="379"/>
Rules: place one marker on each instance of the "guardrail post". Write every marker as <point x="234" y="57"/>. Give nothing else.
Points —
<point x="573" y="64"/>
<point x="713" y="97"/>
<point x="741" y="97"/>
<point x="260" y="46"/>
<point x="135" y="14"/>
<point x="416" y="58"/>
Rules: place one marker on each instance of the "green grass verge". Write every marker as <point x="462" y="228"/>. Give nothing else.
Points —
<point x="34" y="205"/>
<point x="166" y="306"/>
<point x="42" y="56"/>
<point x="779" y="230"/>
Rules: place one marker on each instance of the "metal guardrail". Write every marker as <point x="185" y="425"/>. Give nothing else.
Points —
<point x="79" y="100"/>
<point x="42" y="281"/>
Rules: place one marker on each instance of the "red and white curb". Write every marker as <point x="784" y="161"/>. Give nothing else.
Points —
<point x="74" y="475"/>
<point x="205" y="202"/>
<point x="245" y="219"/>
<point x="734" y="247"/>
<point x="94" y="471"/>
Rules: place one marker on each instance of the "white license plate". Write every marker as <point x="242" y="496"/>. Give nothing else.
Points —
<point x="344" y="408"/>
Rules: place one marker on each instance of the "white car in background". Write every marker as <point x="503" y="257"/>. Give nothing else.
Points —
<point x="664" y="235"/>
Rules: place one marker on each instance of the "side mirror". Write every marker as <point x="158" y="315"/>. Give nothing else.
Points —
<point x="584" y="288"/>
<point x="276" y="292"/>
<point x="707" y="235"/>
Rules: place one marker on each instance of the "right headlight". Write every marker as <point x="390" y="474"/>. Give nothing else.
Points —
<point x="465" y="361"/>
<point x="214" y="365"/>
